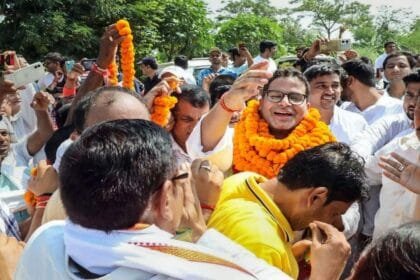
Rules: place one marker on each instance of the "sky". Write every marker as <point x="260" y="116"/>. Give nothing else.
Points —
<point x="413" y="5"/>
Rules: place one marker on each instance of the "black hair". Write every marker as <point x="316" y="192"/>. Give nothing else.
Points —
<point x="411" y="60"/>
<point x="316" y="71"/>
<point x="287" y="73"/>
<point x="361" y="71"/>
<point x="56" y="58"/>
<point x="194" y="95"/>
<point x="181" y="61"/>
<point x="234" y="52"/>
<point x="332" y="165"/>
<point x="412" y="78"/>
<point x="84" y="105"/>
<point x="366" y="60"/>
<point x="267" y="44"/>
<point x="109" y="174"/>
<point x="58" y="137"/>
<point x="389" y="43"/>
<point x="396" y="255"/>
<point x="219" y="86"/>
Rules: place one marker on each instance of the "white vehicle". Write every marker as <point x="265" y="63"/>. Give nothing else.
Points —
<point x="195" y="65"/>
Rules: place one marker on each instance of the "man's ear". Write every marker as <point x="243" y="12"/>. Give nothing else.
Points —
<point x="162" y="203"/>
<point x="317" y="197"/>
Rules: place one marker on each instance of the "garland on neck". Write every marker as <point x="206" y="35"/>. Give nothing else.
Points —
<point x="255" y="149"/>
<point x="127" y="57"/>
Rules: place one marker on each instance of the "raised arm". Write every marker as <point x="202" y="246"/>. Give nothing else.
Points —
<point x="107" y="50"/>
<point x="245" y="87"/>
<point x="45" y="128"/>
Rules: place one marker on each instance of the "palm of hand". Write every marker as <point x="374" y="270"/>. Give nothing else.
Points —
<point x="410" y="177"/>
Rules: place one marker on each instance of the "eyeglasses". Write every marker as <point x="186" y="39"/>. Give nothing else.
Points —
<point x="277" y="96"/>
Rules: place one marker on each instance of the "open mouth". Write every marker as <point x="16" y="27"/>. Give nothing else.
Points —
<point x="328" y="97"/>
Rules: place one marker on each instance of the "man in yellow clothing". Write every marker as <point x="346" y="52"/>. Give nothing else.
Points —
<point x="261" y="215"/>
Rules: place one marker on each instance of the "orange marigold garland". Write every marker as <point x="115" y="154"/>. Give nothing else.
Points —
<point x="255" y="149"/>
<point x="127" y="57"/>
<point x="163" y="104"/>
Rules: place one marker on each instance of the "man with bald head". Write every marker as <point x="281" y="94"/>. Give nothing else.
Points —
<point x="103" y="104"/>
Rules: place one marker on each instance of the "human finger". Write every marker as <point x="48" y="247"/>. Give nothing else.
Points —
<point x="390" y="170"/>
<point x="316" y="235"/>
<point x="392" y="163"/>
<point x="401" y="160"/>
<point x="328" y="229"/>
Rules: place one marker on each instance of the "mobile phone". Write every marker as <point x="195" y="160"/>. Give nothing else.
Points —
<point x="26" y="75"/>
<point x="69" y="65"/>
<point x="87" y="63"/>
<point x="335" y="45"/>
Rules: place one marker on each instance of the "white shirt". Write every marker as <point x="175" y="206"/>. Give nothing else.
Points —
<point x="383" y="107"/>
<point x="271" y="66"/>
<point x="397" y="203"/>
<point x="346" y="125"/>
<point x="379" y="64"/>
<point x="180" y="156"/>
<point x="221" y="155"/>
<point x="379" y="134"/>
<point x="46" y="255"/>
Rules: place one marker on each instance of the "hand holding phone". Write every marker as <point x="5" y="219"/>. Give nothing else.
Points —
<point x="26" y="75"/>
<point x="335" y="45"/>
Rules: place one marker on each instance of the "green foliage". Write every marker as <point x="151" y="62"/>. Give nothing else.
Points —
<point x="411" y="40"/>
<point x="185" y="28"/>
<point x="295" y="35"/>
<point x="250" y="29"/>
<point x="73" y="27"/>
<point x="261" y="8"/>
<point x="331" y="15"/>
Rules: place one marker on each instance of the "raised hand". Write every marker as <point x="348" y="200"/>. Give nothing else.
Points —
<point x="401" y="171"/>
<point x="247" y="86"/>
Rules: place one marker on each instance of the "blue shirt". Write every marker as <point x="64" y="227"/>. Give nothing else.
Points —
<point x="205" y="72"/>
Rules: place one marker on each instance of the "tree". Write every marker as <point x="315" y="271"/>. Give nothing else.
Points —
<point x="331" y="15"/>
<point x="185" y="28"/>
<point x="411" y="40"/>
<point x="73" y="28"/>
<point x="295" y="35"/>
<point x="250" y="29"/>
<point x="261" y="8"/>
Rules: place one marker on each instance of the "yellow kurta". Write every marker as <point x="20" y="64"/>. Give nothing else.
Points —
<point x="246" y="214"/>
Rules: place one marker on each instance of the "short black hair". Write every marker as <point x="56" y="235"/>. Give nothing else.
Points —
<point x="219" y="86"/>
<point x="396" y="255"/>
<point x="58" y="137"/>
<point x="412" y="78"/>
<point x="55" y="57"/>
<point x="84" y="105"/>
<point x="267" y="44"/>
<point x="181" y="61"/>
<point x="194" y="95"/>
<point x="287" y="73"/>
<point x="319" y="70"/>
<point x="234" y="52"/>
<point x="109" y="174"/>
<point x="389" y="43"/>
<point x="331" y="165"/>
<point x="361" y="71"/>
<point x="411" y="60"/>
<point x="366" y="60"/>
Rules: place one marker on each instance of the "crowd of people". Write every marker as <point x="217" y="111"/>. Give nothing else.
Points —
<point x="260" y="172"/>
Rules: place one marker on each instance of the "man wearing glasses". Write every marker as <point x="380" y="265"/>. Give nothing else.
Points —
<point x="282" y="108"/>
